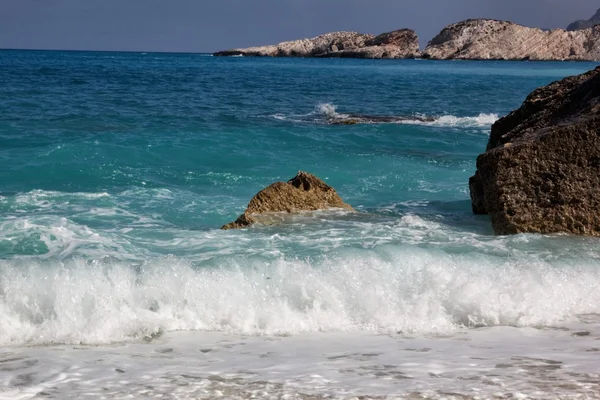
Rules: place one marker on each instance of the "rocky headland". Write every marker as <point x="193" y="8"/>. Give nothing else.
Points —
<point x="402" y="43"/>
<point x="304" y="192"/>
<point x="486" y="39"/>
<point x="475" y="39"/>
<point x="583" y="24"/>
<point x="541" y="170"/>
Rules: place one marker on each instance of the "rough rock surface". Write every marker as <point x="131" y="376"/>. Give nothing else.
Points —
<point x="402" y="43"/>
<point x="541" y="170"/>
<point x="583" y="24"/>
<point x="484" y="39"/>
<point x="304" y="192"/>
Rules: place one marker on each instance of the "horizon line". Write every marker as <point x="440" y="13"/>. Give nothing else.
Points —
<point x="107" y="51"/>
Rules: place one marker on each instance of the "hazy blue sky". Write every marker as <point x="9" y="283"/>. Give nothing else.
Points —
<point x="209" y="25"/>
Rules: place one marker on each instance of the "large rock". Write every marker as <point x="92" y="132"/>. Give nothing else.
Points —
<point x="541" y="169"/>
<point x="485" y="39"/>
<point x="402" y="43"/>
<point x="304" y="192"/>
<point x="583" y="24"/>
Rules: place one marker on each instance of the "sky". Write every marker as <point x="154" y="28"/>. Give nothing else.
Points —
<point x="211" y="25"/>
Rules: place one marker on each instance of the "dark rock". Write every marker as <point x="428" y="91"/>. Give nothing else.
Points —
<point x="583" y="24"/>
<point x="229" y="53"/>
<point x="541" y="169"/>
<point x="477" y="199"/>
<point x="353" y="119"/>
<point x="304" y="192"/>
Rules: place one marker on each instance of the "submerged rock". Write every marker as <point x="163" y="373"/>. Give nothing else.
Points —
<point x="353" y="119"/>
<point x="304" y="192"/>
<point x="402" y="43"/>
<point x="541" y="170"/>
<point x="485" y="39"/>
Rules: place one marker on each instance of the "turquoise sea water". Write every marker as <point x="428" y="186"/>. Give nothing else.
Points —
<point x="117" y="170"/>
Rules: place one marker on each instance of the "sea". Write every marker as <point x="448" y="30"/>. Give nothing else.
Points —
<point x="117" y="171"/>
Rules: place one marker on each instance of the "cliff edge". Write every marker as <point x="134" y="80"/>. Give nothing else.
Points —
<point x="486" y="39"/>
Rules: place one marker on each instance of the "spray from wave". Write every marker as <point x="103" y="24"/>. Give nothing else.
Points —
<point x="328" y="110"/>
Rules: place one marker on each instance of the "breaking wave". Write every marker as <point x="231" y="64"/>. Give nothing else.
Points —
<point x="327" y="113"/>
<point x="387" y="290"/>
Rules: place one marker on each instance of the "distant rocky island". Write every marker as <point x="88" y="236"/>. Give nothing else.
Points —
<point x="583" y="24"/>
<point x="402" y="43"/>
<point x="474" y="39"/>
<point x="485" y="39"/>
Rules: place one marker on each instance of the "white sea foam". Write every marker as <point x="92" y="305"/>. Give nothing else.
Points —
<point x="498" y="363"/>
<point x="320" y="112"/>
<point x="393" y="289"/>
<point x="44" y="199"/>
<point x="57" y="237"/>
<point x="480" y="121"/>
<point x="329" y="111"/>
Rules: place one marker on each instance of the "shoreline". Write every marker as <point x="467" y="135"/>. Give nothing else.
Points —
<point x="496" y="362"/>
<point x="410" y="59"/>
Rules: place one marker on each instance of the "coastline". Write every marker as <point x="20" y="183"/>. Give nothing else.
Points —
<point x="473" y="39"/>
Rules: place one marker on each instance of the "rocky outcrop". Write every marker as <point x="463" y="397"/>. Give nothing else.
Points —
<point x="402" y="43"/>
<point x="304" y="192"/>
<point x="353" y="119"/>
<point x="541" y="170"/>
<point x="583" y="24"/>
<point x="484" y="39"/>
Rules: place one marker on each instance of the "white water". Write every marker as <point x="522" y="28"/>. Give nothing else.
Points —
<point x="496" y="363"/>
<point x="480" y="121"/>
<point x="392" y="288"/>
<point x="329" y="111"/>
<point x="319" y="272"/>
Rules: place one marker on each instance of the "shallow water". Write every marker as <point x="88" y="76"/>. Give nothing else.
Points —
<point x="117" y="169"/>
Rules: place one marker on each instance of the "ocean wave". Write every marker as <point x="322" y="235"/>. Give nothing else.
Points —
<point x="386" y="291"/>
<point x="327" y="113"/>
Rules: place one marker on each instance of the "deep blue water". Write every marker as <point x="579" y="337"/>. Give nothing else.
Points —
<point x="128" y="163"/>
